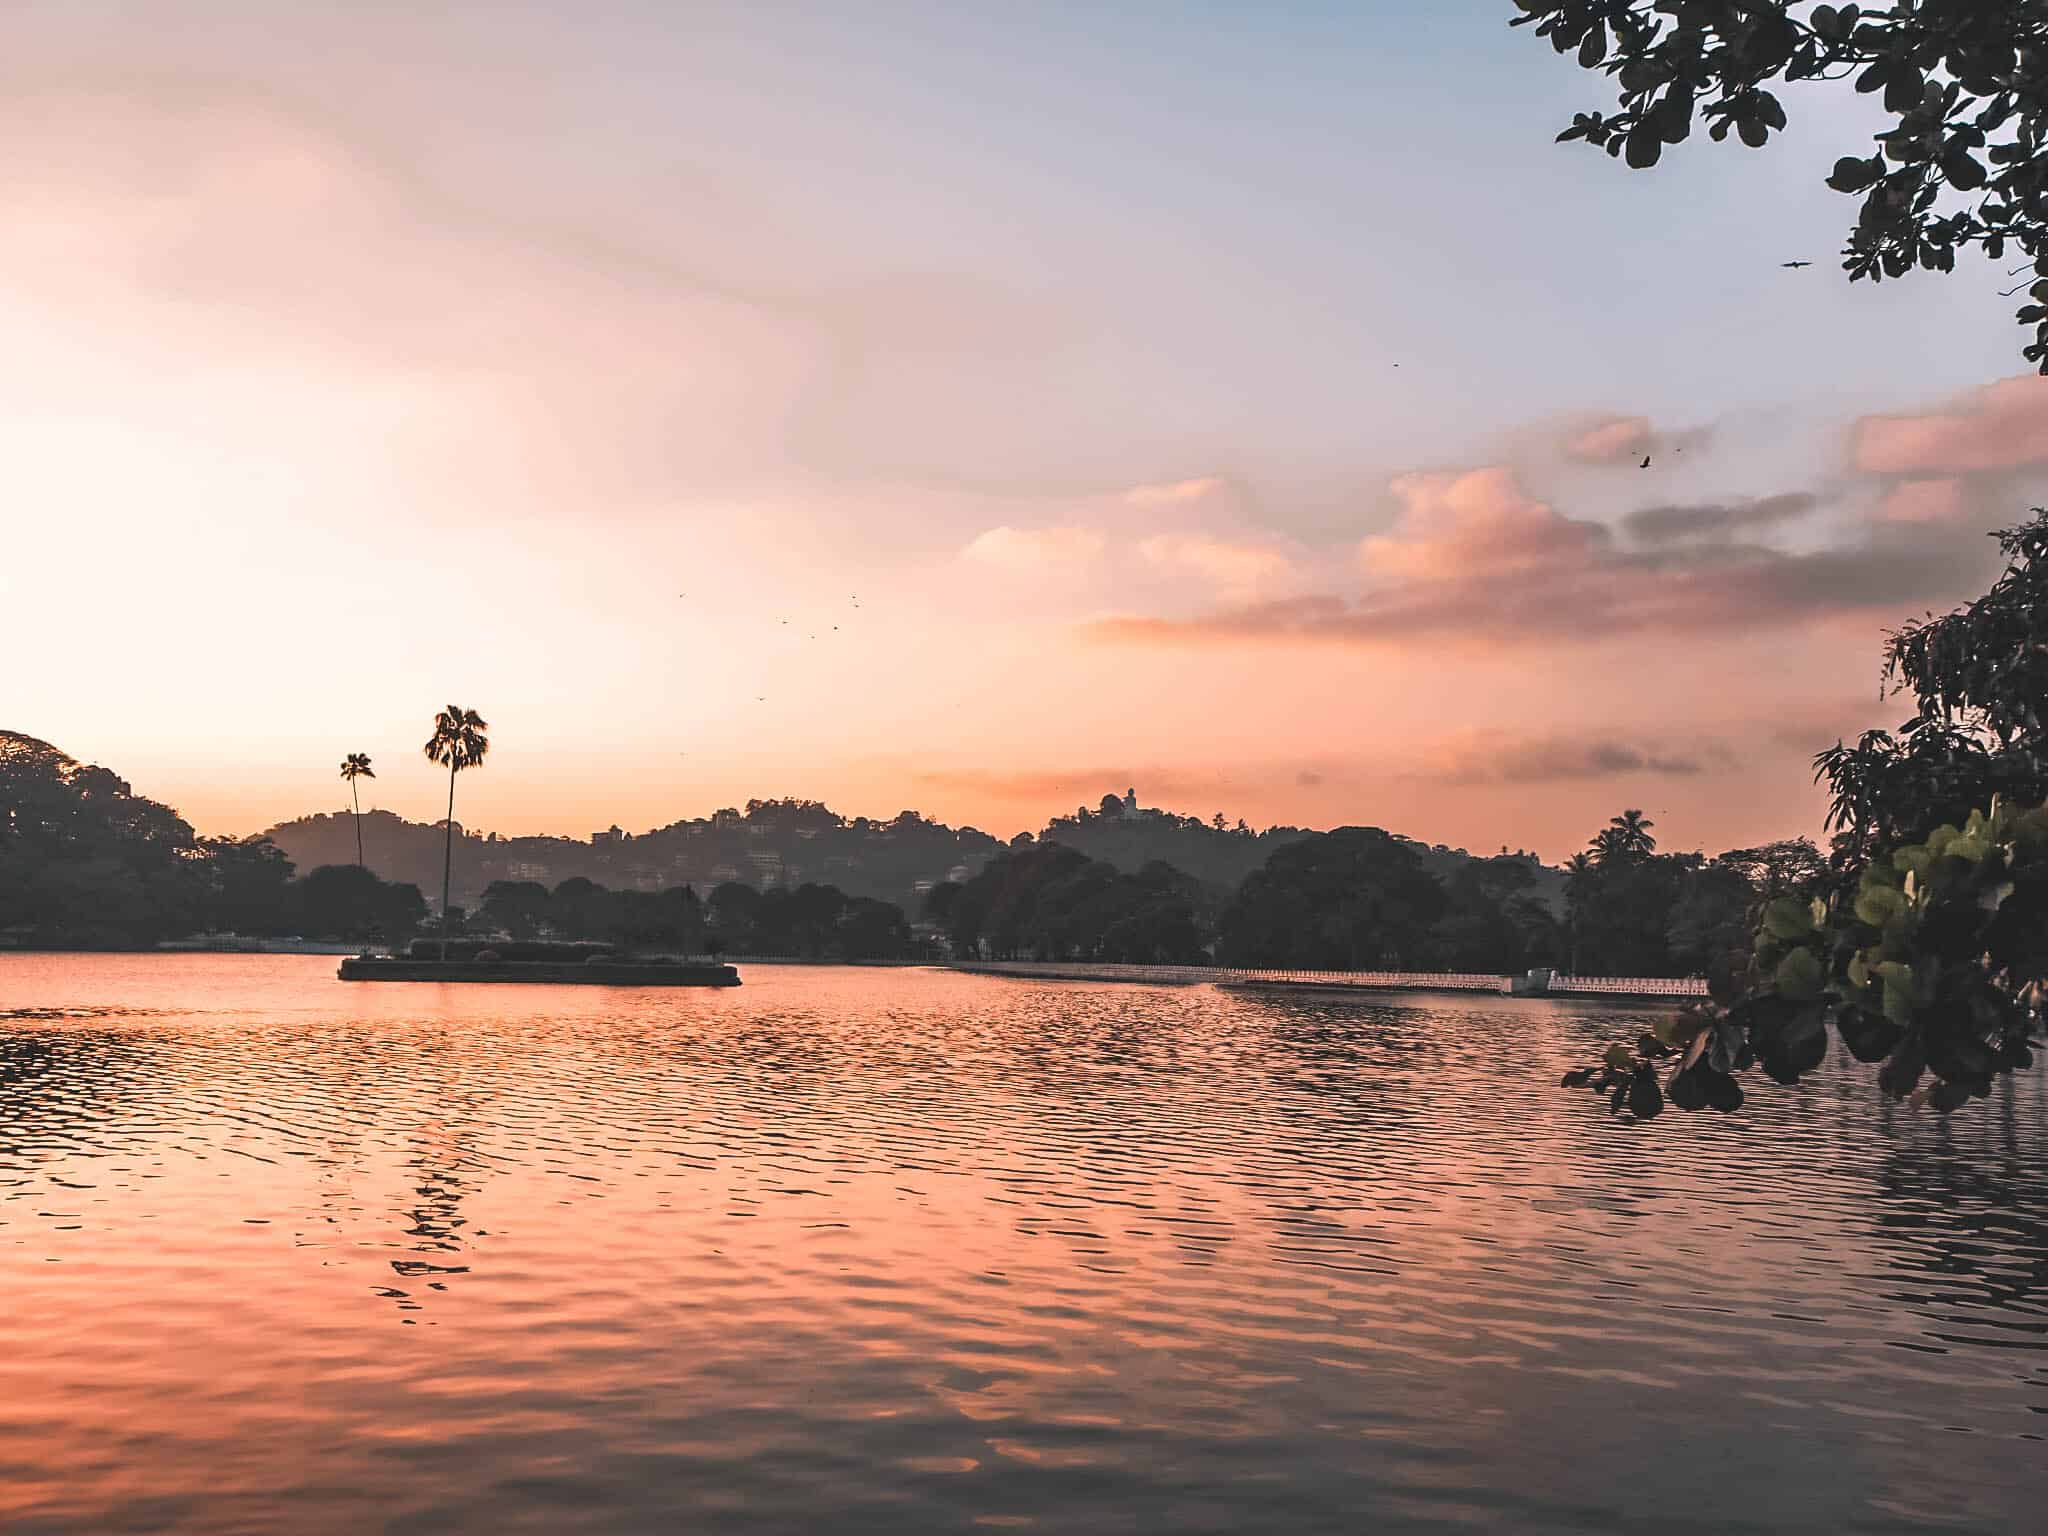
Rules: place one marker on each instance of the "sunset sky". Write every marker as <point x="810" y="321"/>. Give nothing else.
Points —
<point x="1243" y="402"/>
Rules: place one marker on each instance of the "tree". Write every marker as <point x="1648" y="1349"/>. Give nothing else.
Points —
<point x="1053" y="902"/>
<point x="939" y="900"/>
<point x="84" y="860"/>
<point x="247" y="879"/>
<point x="347" y="901"/>
<point x="353" y="767"/>
<point x="519" y="907"/>
<point x="1493" y="921"/>
<point x="1979" y="681"/>
<point x="872" y="930"/>
<point x="1627" y="836"/>
<point x="1578" y="889"/>
<point x="1355" y="898"/>
<point x="1960" y="163"/>
<point x="1925" y="947"/>
<point x="458" y="743"/>
<point x="1789" y="867"/>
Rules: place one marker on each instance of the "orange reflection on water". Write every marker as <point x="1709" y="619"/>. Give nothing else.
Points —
<point x="897" y="1249"/>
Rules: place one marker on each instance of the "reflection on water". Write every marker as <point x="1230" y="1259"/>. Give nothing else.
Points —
<point x="898" y="1251"/>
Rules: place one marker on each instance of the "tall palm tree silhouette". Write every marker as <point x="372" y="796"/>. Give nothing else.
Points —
<point x="1578" y="883"/>
<point x="357" y="766"/>
<point x="458" y="742"/>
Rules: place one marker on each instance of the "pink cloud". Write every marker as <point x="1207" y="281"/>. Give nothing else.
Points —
<point x="1036" y="548"/>
<point x="1475" y="562"/>
<point x="1924" y="501"/>
<point x="2000" y="426"/>
<point x="1233" y="568"/>
<point x="1175" y="493"/>
<point x="1611" y="441"/>
<point x="1455" y="526"/>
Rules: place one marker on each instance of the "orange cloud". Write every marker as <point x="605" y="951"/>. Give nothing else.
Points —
<point x="2000" y="426"/>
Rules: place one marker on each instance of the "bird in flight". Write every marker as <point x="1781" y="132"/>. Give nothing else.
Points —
<point x="1646" y="462"/>
<point x="1795" y="263"/>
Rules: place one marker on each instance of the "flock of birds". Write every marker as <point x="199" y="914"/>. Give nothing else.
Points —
<point x="1794" y="266"/>
<point x="762" y="698"/>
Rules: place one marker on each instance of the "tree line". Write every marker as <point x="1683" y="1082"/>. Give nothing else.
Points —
<point x="85" y="862"/>
<point x="1362" y="898"/>
<point x="818" y="922"/>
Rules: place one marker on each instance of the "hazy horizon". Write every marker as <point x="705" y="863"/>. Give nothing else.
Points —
<point x="1137" y="401"/>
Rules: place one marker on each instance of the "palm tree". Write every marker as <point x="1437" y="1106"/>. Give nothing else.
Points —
<point x="1578" y="885"/>
<point x="357" y="766"/>
<point x="1632" y="834"/>
<point x="458" y="742"/>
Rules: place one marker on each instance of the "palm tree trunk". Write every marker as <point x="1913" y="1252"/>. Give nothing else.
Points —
<point x="356" y="793"/>
<point x="447" y="861"/>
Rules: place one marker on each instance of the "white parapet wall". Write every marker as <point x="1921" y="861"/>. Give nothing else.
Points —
<point x="1537" y="984"/>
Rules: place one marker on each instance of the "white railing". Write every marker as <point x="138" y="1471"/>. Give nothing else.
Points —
<point x="1438" y="981"/>
<point x="1093" y="970"/>
<point x="1432" y="981"/>
<point x="1634" y="986"/>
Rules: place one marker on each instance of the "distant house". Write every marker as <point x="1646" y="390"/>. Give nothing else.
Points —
<point x="723" y="874"/>
<point x="524" y="869"/>
<point x="609" y="838"/>
<point x="767" y="867"/>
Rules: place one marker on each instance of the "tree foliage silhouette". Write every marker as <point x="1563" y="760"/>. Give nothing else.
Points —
<point x="1927" y="949"/>
<point x="1964" y="84"/>
<point x="458" y="743"/>
<point x="353" y="767"/>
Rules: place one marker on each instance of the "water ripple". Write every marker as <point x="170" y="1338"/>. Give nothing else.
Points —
<point x="900" y="1250"/>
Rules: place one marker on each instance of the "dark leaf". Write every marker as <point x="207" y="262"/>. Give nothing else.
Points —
<point x="1645" y="1098"/>
<point x="1722" y="1091"/>
<point x="1688" y="1089"/>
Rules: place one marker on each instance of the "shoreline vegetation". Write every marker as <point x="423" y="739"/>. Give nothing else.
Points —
<point x="87" y="864"/>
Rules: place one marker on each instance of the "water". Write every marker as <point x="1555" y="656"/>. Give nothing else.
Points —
<point x="891" y="1250"/>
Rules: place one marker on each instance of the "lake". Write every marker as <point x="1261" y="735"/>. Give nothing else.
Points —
<point x="907" y="1250"/>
